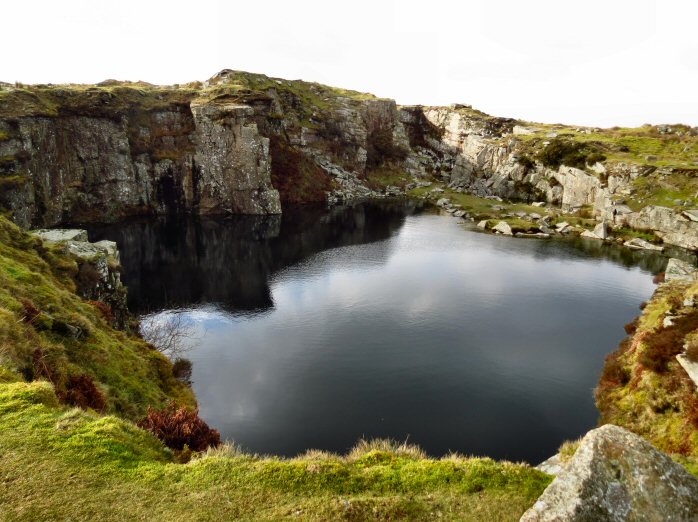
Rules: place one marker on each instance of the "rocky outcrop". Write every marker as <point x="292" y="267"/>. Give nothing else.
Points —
<point x="673" y="227"/>
<point x="232" y="161"/>
<point x="244" y="143"/>
<point x="98" y="276"/>
<point x="617" y="476"/>
<point x="181" y="157"/>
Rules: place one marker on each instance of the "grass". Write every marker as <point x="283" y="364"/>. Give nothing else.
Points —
<point x="130" y="373"/>
<point x="386" y="176"/>
<point x="643" y="387"/>
<point x="628" y="145"/>
<point x="60" y="463"/>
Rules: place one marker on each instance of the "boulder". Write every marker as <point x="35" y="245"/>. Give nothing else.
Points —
<point x="589" y="234"/>
<point x="616" y="475"/>
<point x="640" y="244"/>
<point x="538" y="204"/>
<point x="482" y="224"/>
<point x="680" y="270"/>
<point x="503" y="228"/>
<point x="443" y="202"/>
<point x="562" y="226"/>
<point x="459" y="213"/>
<point x="601" y="230"/>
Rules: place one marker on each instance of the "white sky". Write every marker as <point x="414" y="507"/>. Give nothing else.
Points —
<point x="596" y="62"/>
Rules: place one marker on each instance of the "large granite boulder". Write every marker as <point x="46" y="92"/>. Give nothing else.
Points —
<point x="680" y="270"/>
<point x="616" y="476"/>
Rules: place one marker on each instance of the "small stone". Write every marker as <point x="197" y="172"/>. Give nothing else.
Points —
<point x="443" y="202"/>
<point x="539" y="204"/>
<point x="482" y="224"/>
<point x="641" y="244"/>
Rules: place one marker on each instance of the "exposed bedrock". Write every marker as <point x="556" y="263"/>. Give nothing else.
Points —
<point x="244" y="144"/>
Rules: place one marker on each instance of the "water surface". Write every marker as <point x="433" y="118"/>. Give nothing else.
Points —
<point x="379" y="320"/>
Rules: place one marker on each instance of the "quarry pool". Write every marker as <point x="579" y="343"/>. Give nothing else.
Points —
<point x="320" y="327"/>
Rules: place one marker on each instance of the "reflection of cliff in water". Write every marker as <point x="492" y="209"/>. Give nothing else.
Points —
<point x="171" y="263"/>
<point x="650" y="261"/>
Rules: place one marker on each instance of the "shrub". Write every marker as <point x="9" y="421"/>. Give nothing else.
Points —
<point x="31" y="312"/>
<point x="614" y="372"/>
<point x="595" y="157"/>
<point x="631" y="327"/>
<point x="570" y="153"/>
<point x="104" y="309"/>
<point x="178" y="427"/>
<point x="526" y="162"/>
<point x="81" y="391"/>
<point x="660" y="348"/>
<point x="41" y="366"/>
<point x="182" y="369"/>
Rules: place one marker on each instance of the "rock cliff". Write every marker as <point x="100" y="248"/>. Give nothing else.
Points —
<point x="245" y="143"/>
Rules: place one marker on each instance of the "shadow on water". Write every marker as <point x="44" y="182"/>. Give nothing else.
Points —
<point x="173" y="263"/>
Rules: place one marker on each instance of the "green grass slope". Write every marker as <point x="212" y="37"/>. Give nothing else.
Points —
<point x="643" y="387"/>
<point x="127" y="370"/>
<point x="65" y="464"/>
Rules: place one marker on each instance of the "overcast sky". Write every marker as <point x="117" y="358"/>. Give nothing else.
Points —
<point x="597" y="62"/>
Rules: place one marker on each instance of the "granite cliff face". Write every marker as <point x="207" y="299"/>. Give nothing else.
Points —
<point x="245" y="143"/>
<point x="114" y="159"/>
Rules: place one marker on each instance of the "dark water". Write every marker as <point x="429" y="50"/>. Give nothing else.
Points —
<point x="321" y="327"/>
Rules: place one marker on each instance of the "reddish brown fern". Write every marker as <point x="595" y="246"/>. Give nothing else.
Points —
<point x="81" y="391"/>
<point x="178" y="426"/>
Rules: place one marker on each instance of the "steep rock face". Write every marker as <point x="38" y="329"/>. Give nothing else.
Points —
<point x="233" y="162"/>
<point x="243" y="143"/>
<point x="672" y="227"/>
<point x="105" y="166"/>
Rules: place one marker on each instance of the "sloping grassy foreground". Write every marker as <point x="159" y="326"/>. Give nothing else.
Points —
<point x="643" y="388"/>
<point x="65" y="464"/>
<point x="37" y="300"/>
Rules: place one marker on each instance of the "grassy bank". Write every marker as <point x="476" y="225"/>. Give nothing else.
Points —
<point x="58" y="463"/>
<point x="643" y="387"/>
<point x="40" y="315"/>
